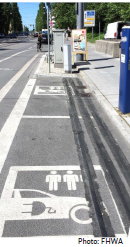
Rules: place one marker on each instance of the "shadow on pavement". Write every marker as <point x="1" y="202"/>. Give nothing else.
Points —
<point x="105" y="67"/>
<point x="94" y="60"/>
<point x="81" y="63"/>
<point x="4" y="49"/>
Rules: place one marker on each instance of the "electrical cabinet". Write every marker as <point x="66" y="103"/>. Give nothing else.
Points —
<point x="58" y="47"/>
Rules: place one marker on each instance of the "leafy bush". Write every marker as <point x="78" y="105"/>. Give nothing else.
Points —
<point x="95" y="37"/>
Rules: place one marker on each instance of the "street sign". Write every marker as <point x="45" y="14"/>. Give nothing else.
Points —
<point x="79" y="42"/>
<point x="51" y="23"/>
<point x="89" y="18"/>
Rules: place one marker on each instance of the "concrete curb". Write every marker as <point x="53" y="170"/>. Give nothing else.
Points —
<point x="43" y="70"/>
<point x="122" y="126"/>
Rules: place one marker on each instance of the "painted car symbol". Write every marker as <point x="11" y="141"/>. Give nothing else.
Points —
<point x="42" y="205"/>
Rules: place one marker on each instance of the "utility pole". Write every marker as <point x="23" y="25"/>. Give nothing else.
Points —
<point x="99" y="28"/>
<point x="80" y="24"/>
<point x="48" y="6"/>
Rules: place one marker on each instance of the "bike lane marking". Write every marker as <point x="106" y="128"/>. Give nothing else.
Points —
<point x="10" y="127"/>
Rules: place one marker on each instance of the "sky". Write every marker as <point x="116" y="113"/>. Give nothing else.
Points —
<point x="28" y="11"/>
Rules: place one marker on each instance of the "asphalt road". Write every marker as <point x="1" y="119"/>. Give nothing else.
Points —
<point x="64" y="168"/>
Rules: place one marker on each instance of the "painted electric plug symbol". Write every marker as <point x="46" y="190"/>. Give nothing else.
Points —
<point x="37" y="208"/>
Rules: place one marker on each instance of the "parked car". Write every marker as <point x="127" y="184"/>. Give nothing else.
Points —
<point x="114" y="30"/>
<point x="13" y="36"/>
<point x="45" y="37"/>
<point x="35" y="34"/>
<point x="2" y="35"/>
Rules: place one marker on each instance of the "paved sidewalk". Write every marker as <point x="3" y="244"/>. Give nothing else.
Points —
<point x="101" y="75"/>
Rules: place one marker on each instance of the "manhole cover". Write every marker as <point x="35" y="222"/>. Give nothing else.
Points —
<point x="81" y="87"/>
<point x="85" y="94"/>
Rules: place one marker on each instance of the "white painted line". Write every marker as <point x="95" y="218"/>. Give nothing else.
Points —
<point x="10" y="127"/>
<point x="98" y="167"/>
<point x="25" y="116"/>
<point x="12" y="175"/>
<point x="45" y="168"/>
<point x="12" y="55"/>
<point x="9" y="187"/>
<point x="5" y="69"/>
<point x="13" y="80"/>
<point x="17" y="208"/>
<point x="9" y="184"/>
<point x="47" y="117"/>
<point x="51" y="90"/>
<point x="55" y="93"/>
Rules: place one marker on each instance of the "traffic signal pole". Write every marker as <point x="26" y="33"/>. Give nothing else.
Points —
<point x="80" y="24"/>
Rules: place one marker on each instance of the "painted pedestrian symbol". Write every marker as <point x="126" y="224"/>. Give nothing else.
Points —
<point x="53" y="179"/>
<point x="34" y="204"/>
<point x="71" y="180"/>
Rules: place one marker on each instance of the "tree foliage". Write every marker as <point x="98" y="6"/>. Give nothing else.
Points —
<point x="41" y="18"/>
<point x="5" y="17"/>
<point x="64" y="14"/>
<point x="26" y="29"/>
<point x="104" y="12"/>
<point x="10" y="18"/>
<point x="16" y="18"/>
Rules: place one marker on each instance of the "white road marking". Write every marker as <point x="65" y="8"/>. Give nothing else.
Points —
<point x="12" y="56"/>
<point x="18" y="208"/>
<point x="10" y="127"/>
<point x="85" y="207"/>
<point x="5" y="69"/>
<point x="47" y="117"/>
<point x="13" y="80"/>
<point x="49" y="90"/>
<point x="99" y="168"/>
<point x="12" y="175"/>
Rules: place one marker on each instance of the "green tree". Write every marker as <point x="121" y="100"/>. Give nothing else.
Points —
<point x="64" y="14"/>
<point x="1" y="18"/>
<point x="5" y="17"/>
<point x="108" y="12"/>
<point x="26" y="29"/>
<point x="41" y="18"/>
<point x="101" y="12"/>
<point x="16" y="18"/>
